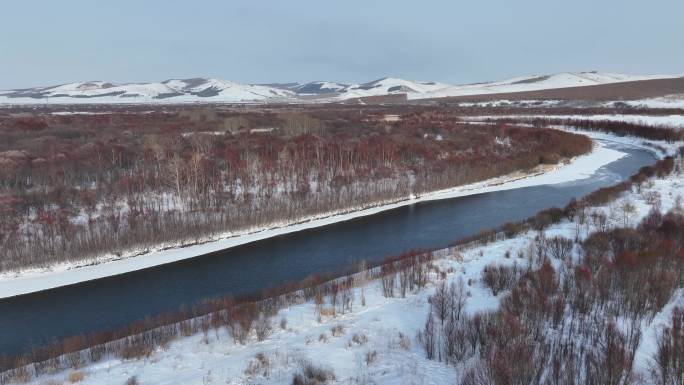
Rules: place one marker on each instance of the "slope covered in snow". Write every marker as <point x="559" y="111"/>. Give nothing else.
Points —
<point x="317" y="88"/>
<point x="173" y="90"/>
<point x="387" y="86"/>
<point x="217" y="90"/>
<point x="421" y="90"/>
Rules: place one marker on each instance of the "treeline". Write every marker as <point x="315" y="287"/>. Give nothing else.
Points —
<point x="75" y="187"/>
<point x="538" y="108"/>
<point x="568" y="320"/>
<point x="653" y="132"/>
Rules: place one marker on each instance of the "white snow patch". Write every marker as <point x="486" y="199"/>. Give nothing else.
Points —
<point x="421" y="90"/>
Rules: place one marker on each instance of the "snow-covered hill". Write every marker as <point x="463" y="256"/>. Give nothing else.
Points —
<point x="217" y="90"/>
<point x="318" y="88"/>
<point x="174" y="90"/>
<point x="387" y="86"/>
<point x="421" y="90"/>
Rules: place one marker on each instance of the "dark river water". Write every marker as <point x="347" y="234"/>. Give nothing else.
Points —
<point x="36" y="319"/>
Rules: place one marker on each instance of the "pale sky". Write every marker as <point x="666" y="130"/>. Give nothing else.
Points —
<point x="52" y="42"/>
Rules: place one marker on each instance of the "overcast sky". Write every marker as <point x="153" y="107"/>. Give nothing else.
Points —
<point x="51" y="42"/>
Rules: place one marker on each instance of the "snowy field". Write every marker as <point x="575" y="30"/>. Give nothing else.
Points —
<point x="28" y="281"/>
<point x="669" y="101"/>
<point x="536" y="83"/>
<point x="373" y="343"/>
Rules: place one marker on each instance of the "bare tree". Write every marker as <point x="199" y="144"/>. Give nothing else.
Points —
<point x="559" y="247"/>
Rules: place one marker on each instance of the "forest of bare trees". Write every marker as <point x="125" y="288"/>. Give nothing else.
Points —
<point x="81" y="186"/>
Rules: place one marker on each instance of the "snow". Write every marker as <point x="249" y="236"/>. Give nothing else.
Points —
<point x="152" y="93"/>
<point x="507" y="102"/>
<point x="668" y="101"/>
<point x="68" y="113"/>
<point x="663" y="319"/>
<point x="416" y="90"/>
<point x="331" y="86"/>
<point x="231" y="92"/>
<point x="28" y="281"/>
<point x="391" y="85"/>
<point x="648" y="120"/>
<point x="194" y="360"/>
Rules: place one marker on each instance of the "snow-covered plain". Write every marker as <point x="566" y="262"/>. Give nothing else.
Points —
<point x="667" y="101"/>
<point x="384" y="329"/>
<point x="28" y="281"/>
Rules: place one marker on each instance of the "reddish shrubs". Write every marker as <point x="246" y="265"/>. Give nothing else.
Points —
<point x="559" y="323"/>
<point x="499" y="278"/>
<point x="669" y="358"/>
<point x="181" y="183"/>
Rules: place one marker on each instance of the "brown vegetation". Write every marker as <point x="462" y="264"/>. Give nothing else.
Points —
<point x="74" y="187"/>
<point x="406" y="272"/>
<point x="576" y="323"/>
<point x="667" y="134"/>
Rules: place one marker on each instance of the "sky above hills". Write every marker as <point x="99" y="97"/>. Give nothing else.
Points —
<point x="49" y="42"/>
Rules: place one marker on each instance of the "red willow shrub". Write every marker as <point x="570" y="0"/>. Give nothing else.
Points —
<point x="83" y="186"/>
<point x="669" y="359"/>
<point x="152" y="332"/>
<point x="620" y="128"/>
<point x="157" y="331"/>
<point x="559" y="322"/>
<point x="168" y="326"/>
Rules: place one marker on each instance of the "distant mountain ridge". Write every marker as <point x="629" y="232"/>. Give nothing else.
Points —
<point x="182" y="90"/>
<point x="222" y="91"/>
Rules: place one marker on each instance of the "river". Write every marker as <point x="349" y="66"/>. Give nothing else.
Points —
<point x="38" y="318"/>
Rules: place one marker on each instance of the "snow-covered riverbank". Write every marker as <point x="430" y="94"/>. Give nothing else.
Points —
<point x="374" y="342"/>
<point x="36" y="280"/>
